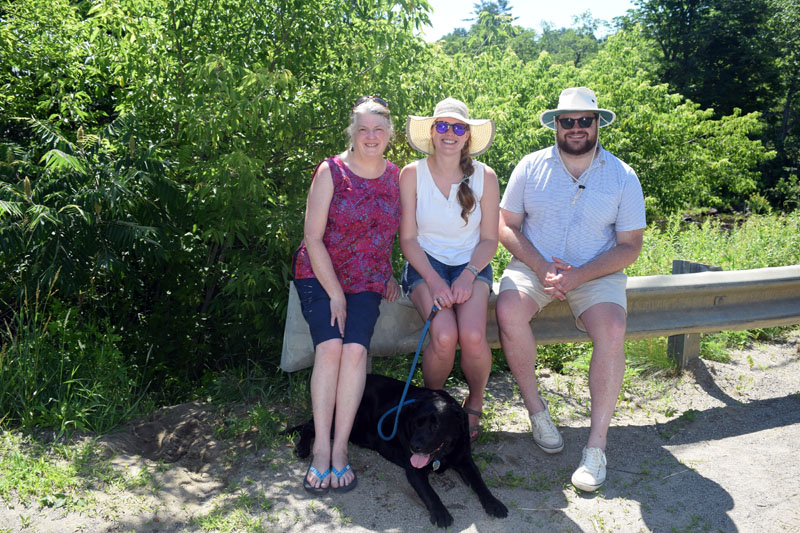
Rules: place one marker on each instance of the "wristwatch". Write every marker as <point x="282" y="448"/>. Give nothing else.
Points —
<point x="473" y="270"/>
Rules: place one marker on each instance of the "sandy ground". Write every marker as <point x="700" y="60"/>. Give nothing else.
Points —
<point x="715" y="449"/>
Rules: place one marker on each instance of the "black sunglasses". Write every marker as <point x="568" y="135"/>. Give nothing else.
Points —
<point x="458" y="129"/>
<point x="583" y="122"/>
<point x="375" y="98"/>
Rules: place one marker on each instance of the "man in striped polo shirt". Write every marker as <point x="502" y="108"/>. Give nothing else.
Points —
<point x="573" y="217"/>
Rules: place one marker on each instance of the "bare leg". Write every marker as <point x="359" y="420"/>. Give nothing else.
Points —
<point x="351" y="378"/>
<point x="439" y="355"/>
<point x="514" y="313"/>
<point x="476" y="356"/>
<point x="324" y="380"/>
<point x="605" y="323"/>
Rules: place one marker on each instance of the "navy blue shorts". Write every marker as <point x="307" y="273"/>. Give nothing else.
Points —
<point x="448" y="273"/>
<point x="363" y="309"/>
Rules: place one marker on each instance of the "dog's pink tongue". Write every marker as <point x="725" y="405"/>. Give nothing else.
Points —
<point x="419" y="460"/>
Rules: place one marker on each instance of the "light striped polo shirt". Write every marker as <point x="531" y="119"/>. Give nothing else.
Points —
<point x="574" y="227"/>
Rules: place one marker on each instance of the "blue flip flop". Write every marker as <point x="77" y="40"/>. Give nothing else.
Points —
<point x="321" y="476"/>
<point x="339" y="474"/>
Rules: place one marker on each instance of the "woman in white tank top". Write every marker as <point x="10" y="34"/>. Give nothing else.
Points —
<point x="448" y="234"/>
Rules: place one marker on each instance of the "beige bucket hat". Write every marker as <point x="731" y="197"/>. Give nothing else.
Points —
<point x="418" y="129"/>
<point x="573" y="100"/>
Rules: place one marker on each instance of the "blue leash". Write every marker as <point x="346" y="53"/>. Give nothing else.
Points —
<point x="403" y="401"/>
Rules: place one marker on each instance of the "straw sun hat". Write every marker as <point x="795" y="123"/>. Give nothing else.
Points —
<point x="573" y="100"/>
<point x="418" y="129"/>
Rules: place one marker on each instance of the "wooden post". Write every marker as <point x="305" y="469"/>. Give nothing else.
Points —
<point x="683" y="348"/>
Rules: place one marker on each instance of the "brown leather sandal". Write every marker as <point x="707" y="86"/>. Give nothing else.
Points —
<point x="474" y="431"/>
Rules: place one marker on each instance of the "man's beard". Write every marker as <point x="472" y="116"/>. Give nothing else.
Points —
<point x="586" y="146"/>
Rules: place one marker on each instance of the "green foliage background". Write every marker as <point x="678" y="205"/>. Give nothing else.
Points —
<point x="155" y="154"/>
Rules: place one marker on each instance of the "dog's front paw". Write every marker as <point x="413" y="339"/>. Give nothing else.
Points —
<point x="441" y="517"/>
<point x="495" y="507"/>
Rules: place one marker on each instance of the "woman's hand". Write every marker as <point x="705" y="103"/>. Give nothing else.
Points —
<point x="339" y="312"/>
<point x="462" y="287"/>
<point x="441" y="294"/>
<point x="392" y="290"/>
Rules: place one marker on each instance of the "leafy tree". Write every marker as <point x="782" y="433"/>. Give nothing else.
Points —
<point x="781" y="176"/>
<point x="493" y="26"/>
<point x="501" y="7"/>
<point x="715" y="52"/>
<point x="683" y="155"/>
<point x="244" y="102"/>
<point x="157" y="153"/>
<point x="54" y="67"/>
<point x="577" y="44"/>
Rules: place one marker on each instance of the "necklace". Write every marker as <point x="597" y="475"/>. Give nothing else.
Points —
<point x="577" y="180"/>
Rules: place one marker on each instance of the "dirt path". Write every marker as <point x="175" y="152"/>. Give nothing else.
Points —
<point x="714" y="450"/>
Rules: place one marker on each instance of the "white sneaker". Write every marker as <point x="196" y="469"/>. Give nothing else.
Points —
<point x="591" y="473"/>
<point x="545" y="434"/>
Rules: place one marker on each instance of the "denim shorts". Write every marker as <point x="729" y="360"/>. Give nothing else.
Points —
<point x="448" y="273"/>
<point x="363" y="309"/>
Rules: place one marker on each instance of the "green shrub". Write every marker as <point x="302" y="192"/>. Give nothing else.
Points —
<point x="61" y="371"/>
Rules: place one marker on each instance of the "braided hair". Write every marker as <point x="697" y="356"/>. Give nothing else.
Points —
<point x="466" y="198"/>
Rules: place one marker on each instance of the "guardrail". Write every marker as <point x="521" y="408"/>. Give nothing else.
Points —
<point x="703" y="302"/>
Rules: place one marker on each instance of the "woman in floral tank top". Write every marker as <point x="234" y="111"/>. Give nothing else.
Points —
<point x="342" y="269"/>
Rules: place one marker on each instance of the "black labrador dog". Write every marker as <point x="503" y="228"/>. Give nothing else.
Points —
<point x="431" y="435"/>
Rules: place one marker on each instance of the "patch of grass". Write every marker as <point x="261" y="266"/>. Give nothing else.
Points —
<point x="511" y="478"/>
<point x="52" y="475"/>
<point x="673" y="427"/>
<point x="399" y="366"/>
<point x="484" y="458"/>
<point x="717" y="346"/>
<point x="743" y="384"/>
<point x="231" y="515"/>
<point x="645" y="360"/>
<point x="756" y="242"/>
<point x="253" y="383"/>
<point x="61" y="475"/>
<point x="648" y="357"/>
<point x="696" y="523"/>
<point x="62" y="371"/>
<point x="264" y="423"/>
<point x="258" y="403"/>
<point x="714" y="349"/>
<point x="540" y="482"/>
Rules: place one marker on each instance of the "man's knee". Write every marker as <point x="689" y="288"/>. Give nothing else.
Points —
<point x="606" y="321"/>
<point x="513" y="309"/>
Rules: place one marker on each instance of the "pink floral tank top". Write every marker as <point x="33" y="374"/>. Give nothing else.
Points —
<point x="363" y="219"/>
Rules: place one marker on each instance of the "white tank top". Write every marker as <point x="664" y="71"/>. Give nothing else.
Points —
<point x="441" y="231"/>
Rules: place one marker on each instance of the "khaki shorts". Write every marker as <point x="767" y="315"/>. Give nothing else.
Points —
<point x="607" y="289"/>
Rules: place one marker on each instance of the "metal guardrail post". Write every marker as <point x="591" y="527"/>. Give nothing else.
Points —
<point x="685" y="347"/>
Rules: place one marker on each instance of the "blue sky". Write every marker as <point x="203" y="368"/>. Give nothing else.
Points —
<point x="450" y="14"/>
